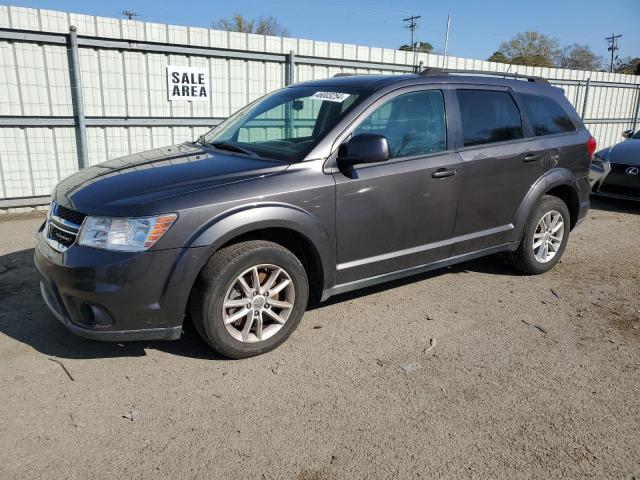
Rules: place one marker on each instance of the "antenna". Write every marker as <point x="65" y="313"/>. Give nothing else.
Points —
<point x="130" y="14"/>
<point x="412" y="25"/>
<point x="446" y="42"/>
<point x="613" y="46"/>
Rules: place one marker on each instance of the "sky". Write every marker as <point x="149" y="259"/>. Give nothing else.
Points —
<point x="477" y="27"/>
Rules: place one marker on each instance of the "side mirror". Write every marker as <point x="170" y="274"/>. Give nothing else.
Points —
<point x="363" y="148"/>
<point x="627" y="134"/>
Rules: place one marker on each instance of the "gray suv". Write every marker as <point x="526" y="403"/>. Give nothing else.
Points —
<point x="314" y="190"/>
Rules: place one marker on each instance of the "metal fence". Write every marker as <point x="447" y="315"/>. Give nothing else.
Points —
<point x="72" y="97"/>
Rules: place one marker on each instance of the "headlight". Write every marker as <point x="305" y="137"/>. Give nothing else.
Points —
<point x="124" y="234"/>
<point x="599" y="163"/>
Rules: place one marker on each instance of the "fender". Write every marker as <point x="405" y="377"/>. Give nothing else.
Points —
<point x="237" y="221"/>
<point x="551" y="179"/>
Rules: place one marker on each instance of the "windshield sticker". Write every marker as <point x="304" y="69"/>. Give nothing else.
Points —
<point x="331" y="96"/>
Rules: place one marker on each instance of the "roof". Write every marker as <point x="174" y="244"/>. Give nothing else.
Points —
<point x="376" y="82"/>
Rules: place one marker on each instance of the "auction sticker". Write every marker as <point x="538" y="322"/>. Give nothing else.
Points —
<point x="331" y="96"/>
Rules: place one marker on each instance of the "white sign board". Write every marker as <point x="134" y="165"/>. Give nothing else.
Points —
<point x="187" y="84"/>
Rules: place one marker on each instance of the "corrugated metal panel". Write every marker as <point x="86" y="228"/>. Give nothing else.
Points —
<point x="35" y="82"/>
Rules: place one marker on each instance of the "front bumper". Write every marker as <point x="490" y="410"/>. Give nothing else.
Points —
<point x="613" y="180"/>
<point x="116" y="296"/>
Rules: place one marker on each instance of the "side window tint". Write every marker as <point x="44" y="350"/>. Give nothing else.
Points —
<point x="488" y="116"/>
<point x="413" y="124"/>
<point x="546" y="115"/>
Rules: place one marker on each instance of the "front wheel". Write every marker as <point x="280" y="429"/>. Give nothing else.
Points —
<point x="249" y="298"/>
<point x="544" y="239"/>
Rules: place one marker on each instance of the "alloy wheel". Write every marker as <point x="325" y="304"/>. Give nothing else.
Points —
<point x="548" y="236"/>
<point x="258" y="303"/>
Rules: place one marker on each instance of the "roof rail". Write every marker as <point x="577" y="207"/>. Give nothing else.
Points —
<point x="444" y="71"/>
<point x="344" y="74"/>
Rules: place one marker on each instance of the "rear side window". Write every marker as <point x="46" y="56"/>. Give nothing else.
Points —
<point x="413" y="124"/>
<point x="546" y="115"/>
<point x="488" y="116"/>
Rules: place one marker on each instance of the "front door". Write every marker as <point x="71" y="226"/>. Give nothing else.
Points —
<point x="400" y="213"/>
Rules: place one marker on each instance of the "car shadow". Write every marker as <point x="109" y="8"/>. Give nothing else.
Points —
<point x="25" y="318"/>
<point x="615" y="205"/>
<point x="491" y="265"/>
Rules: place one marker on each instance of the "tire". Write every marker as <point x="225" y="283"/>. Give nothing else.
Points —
<point x="524" y="258"/>
<point x="219" y="285"/>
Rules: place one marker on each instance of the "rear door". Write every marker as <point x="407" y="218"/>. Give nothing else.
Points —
<point x="400" y="213"/>
<point x="499" y="166"/>
<point x="549" y="116"/>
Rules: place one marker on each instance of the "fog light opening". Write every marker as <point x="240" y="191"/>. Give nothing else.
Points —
<point x="95" y="317"/>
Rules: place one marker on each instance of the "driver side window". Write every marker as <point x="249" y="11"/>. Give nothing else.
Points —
<point x="412" y="123"/>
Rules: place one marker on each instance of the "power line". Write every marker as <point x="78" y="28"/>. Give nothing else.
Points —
<point x="130" y="14"/>
<point x="613" y="46"/>
<point x="412" y="25"/>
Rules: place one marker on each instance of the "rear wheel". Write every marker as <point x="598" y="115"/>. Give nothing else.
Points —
<point x="544" y="239"/>
<point x="249" y="298"/>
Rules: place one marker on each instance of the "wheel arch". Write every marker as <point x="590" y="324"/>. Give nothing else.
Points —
<point x="289" y="226"/>
<point x="559" y="182"/>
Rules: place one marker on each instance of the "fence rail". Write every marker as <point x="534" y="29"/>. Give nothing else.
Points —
<point x="74" y="98"/>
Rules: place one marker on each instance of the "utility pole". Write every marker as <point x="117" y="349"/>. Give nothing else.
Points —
<point x="446" y="42"/>
<point x="613" y="46"/>
<point x="412" y="25"/>
<point x="130" y="14"/>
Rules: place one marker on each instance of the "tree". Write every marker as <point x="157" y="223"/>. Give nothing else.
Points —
<point x="578" y="57"/>
<point x="629" y="66"/>
<point x="531" y="48"/>
<point x="263" y="25"/>
<point x="421" y="47"/>
<point x="499" y="57"/>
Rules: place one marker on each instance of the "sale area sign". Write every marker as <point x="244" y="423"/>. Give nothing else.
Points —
<point x="187" y="83"/>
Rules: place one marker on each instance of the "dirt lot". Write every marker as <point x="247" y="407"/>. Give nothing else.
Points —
<point x="528" y="377"/>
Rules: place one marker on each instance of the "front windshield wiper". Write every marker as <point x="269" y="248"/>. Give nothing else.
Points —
<point x="232" y="148"/>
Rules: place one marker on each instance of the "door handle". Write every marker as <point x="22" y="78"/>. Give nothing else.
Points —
<point x="531" y="157"/>
<point x="443" y="173"/>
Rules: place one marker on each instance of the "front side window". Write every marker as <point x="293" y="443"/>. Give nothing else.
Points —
<point x="546" y="115"/>
<point x="488" y="116"/>
<point x="412" y="123"/>
<point x="286" y="124"/>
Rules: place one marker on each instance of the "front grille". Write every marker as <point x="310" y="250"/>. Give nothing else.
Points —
<point x="63" y="226"/>
<point x="619" y="182"/>
<point x="624" y="191"/>
<point x="64" y="238"/>
<point x="70" y="216"/>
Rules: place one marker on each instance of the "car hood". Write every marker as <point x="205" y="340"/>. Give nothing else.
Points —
<point x="117" y="187"/>
<point x="627" y="152"/>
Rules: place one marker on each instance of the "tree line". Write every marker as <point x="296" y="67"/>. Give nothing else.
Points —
<point x="539" y="50"/>
<point x="526" y="48"/>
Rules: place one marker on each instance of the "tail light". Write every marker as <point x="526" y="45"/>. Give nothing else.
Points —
<point x="592" y="144"/>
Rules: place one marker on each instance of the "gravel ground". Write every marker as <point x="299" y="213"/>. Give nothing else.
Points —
<point x="468" y="372"/>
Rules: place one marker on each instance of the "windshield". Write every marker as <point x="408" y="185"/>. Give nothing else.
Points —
<point x="286" y="124"/>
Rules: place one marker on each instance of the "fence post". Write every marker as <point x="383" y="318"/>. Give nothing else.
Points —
<point x="586" y="98"/>
<point x="76" y="97"/>
<point x="290" y="69"/>
<point x="637" y="114"/>
<point x="289" y="80"/>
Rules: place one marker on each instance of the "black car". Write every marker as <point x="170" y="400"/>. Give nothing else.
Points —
<point x="315" y="189"/>
<point x="615" y="171"/>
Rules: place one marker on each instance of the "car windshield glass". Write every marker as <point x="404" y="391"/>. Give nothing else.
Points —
<point x="286" y="124"/>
